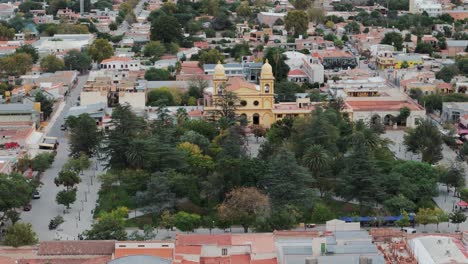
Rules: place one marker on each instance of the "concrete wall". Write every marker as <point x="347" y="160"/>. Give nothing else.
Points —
<point x="135" y="100"/>
<point x="88" y="98"/>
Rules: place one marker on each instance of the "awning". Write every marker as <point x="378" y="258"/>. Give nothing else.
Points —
<point x="462" y="131"/>
<point x="462" y="204"/>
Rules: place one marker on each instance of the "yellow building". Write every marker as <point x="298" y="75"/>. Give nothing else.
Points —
<point x="256" y="102"/>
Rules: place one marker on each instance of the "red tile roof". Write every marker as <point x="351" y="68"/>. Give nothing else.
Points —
<point x="296" y="72"/>
<point x="382" y="105"/>
<point x="112" y="59"/>
<point x="104" y="247"/>
<point x="235" y="83"/>
<point x="264" y="261"/>
<point x="191" y="68"/>
<point x="188" y="250"/>
<point x="192" y="240"/>
<point x="166" y="253"/>
<point x="260" y="243"/>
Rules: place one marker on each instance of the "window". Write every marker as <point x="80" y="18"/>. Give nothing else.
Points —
<point x="224" y="251"/>
<point x="243" y="103"/>
<point x="256" y="103"/>
<point x="267" y="88"/>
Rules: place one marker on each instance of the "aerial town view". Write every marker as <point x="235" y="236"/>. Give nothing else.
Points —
<point x="233" y="131"/>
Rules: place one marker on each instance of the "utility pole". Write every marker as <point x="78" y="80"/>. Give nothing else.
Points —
<point x="81" y="7"/>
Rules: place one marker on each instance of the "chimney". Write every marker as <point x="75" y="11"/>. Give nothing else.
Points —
<point x="311" y="261"/>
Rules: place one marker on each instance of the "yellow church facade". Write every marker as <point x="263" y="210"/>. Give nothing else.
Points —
<point x="256" y="102"/>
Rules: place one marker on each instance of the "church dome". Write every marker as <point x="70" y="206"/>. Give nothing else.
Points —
<point x="267" y="71"/>
<point x="219" y="71"/>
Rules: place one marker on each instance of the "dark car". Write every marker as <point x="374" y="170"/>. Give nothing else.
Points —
<point x="27" y="207"/>
<point x="63" y="127"/>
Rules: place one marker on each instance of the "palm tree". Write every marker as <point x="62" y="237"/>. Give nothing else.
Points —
<point x="317" y="159"/>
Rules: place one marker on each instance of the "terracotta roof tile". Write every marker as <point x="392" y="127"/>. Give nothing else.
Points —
<point x="104" y="247"/>
<point x="157" y="252"/>
<point x="382" y="105"/>
<point x="193" y="240"/>
<point x="260" y="243"/>
<point x="235" y="83"/>
<point x="188" y="250"/>
<point x="296" y="72"/>
<point x="264" y="261"/>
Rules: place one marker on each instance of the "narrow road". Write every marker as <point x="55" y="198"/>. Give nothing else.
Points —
<point x="45" y="208"/>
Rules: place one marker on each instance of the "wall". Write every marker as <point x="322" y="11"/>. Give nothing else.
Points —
<point x="135" y="100"/>
<point x="88" y="98"/>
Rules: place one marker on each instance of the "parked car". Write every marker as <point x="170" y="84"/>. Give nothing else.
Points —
<point x="409" y="230"/>
<point x="27" y="207"/>
<point x="63" y="127"/>
<point x="310" y="225"/>
<point x="36" y="195"/>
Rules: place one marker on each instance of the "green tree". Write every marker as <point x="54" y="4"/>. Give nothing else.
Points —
<point x="26" y="6"/>
<point x="110" y="226"/>
<point x="353" y="28"/>
<point x="16" y="64"/>
<point x="287" y="182"/>
<point x="166" y="29"/>
<point x="424" y="47"/>
<point x="67" y="178"/>
<point x="166" y="220"/>
<point x="161" y="96"/>
<point x="277" y="59"/>
<point x="404" y="221"/>
<point x="321" y="214"/>
<point x="454" y="176"/>
<point x="317" y="159"/>
<point x="447" y="73"/>
<point x="76" y="60"/>
<point x="244" y="206"/>
<point x="404" y="65"/>
<point x="211" y="56"/>
<point x="100" y="50"/>
<point x="359" y="178"/>
<point x="296" y="21"/>
<point x="154" y="49"/>
<point x="464" y="194"/>
<point x="42" y="161"/>
<point x="20" y="234"/>
<point x="425" y="216"/>
<point x="157" y="196"/>
<point x="84" y="135"/>
<point x="46" y="104"/>
<point x="393" y="38"/>
<point x="29" y="49"/>
<point x="51" y="63"/>
<point x="6" y="33"/>
<point x="426" y="140"/>
<point x="243" y="10"/>
<point x="439" y="216"/>
<point x="154" y="74"/>
<point x="301" y="4"/>
<point x="15" y="191"/>
<point x="186" y="222"/>
<point x="405" y="112"/>
<point x="286" y="91"/>
<point x="316" y="15"/>
<point x="396" y="204"/>
<point x="66" y="197"/>
<point x="457" y="217"/>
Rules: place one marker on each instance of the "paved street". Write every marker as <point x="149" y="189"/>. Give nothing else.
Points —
<point x="79" y="217"/>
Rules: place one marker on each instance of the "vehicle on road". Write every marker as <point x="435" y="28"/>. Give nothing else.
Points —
<point x="63" y="127"/>
<point x="50" y="143"/>
<point x="36" y="195"/>
<point x="27" y="207"/>
<point x="409" y="230"/>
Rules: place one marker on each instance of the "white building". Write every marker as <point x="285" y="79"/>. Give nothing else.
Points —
<point x="437" y="250"/>
<point x="431" y="7"/>
<point x="304" y="68"/>
<point x="121" y="63"/>
<point x="61" y="43"/>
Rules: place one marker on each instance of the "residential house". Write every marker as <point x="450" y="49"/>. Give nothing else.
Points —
<point x="453" y="111"/>
<point x="121" y="63"/>
<point x="456" y="46"/>
<point x="7" y="10"/>
<point x="270" y="18"/>
<point x="432" y="7"/>
<point x="412" y="60"/>
<point x="67" y="14"/>
<point x="335" y="59"/>
<point x="304" y="68"/>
